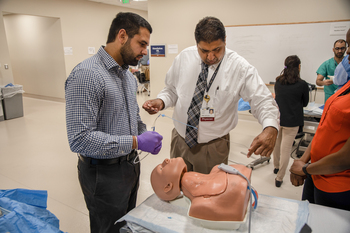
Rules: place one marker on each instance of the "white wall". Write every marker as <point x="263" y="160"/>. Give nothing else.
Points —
<point x="6" y="75"/>
<point x="174" y="21"/>
<point x="83" y="23"/>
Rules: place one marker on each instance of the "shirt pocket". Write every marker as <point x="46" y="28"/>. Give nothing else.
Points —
<point x="222" y="100"/>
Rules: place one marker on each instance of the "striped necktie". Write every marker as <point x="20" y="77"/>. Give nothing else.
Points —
<point x="194" y="109"/>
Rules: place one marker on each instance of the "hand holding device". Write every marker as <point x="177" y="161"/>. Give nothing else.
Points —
<point x="150" y="141"/>
<point x="153" y="106"/>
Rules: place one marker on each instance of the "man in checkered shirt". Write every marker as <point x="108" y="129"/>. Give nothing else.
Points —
<point x="104" y="126"/>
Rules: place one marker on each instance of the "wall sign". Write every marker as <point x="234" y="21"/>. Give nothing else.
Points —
<point x="157" y="50"/>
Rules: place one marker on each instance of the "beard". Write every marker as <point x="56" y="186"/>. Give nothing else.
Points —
<point x="127" y="55"/>
<point x="339" y="55"/>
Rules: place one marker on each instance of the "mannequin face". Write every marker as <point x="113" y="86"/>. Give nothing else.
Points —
<point x="165" y="178"/>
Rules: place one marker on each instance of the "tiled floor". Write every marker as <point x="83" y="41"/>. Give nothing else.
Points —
<point x="34" y="154"/>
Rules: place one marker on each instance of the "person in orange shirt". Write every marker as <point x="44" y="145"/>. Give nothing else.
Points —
<point x="328" y="175"/>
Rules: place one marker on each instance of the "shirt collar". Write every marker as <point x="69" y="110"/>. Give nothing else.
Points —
<point x="109" y="61"/>
<point x="213" y="67"/>
<point x="209" y="67"/>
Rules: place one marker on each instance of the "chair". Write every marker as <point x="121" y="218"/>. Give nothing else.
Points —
<point x="141" y="78"/>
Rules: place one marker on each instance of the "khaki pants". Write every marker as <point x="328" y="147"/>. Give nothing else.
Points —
<point x="202" y="157"/>
<point x="283" y="148"/>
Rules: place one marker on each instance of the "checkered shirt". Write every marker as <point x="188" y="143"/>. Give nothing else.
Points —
<point x="102" y="113"/>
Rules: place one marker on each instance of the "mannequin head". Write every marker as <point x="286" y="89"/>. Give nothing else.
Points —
<point x="166" y="178"/>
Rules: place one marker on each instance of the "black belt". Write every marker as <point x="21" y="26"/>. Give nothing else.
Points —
<point x="120" y="159"/>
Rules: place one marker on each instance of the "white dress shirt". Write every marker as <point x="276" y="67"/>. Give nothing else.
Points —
<point x="235" y="79"/>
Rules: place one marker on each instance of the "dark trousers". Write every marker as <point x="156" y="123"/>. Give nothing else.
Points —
<point x="110" y="191"/>
<point x="314" y="195"/>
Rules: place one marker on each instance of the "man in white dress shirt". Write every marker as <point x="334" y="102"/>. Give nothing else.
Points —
<point x="230" y="77"/>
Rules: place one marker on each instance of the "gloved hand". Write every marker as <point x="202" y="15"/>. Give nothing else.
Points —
<point x="150" y="141"/>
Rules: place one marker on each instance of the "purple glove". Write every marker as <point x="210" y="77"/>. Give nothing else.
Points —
<point x="150" y="141"/>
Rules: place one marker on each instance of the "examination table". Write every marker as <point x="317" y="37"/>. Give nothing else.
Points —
<point x="273" y="214"/>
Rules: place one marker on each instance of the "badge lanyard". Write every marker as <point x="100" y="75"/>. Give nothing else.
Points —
<point x="207" y="97"/>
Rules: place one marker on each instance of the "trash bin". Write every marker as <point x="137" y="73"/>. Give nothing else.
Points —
<point x="12" y="101"/>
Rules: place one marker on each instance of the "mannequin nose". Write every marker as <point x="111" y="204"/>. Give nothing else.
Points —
<point x="165" y="162"/>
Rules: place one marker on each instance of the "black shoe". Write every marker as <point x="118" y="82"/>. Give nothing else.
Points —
<point x="278" y="183"/>
<point x="275" y="170"/>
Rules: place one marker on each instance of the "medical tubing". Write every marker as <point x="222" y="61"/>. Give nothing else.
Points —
<point x="250" y="209"/>
<point x="154" y="123"/>
<point x="232" y="170"/>
<point x="138" y="154"/>
<point x="163" y="115"/>
<point x="255" y="196"/>
<point x="153" y="128"/>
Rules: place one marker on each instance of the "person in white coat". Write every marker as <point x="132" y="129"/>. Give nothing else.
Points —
<point x="227" y="78"/>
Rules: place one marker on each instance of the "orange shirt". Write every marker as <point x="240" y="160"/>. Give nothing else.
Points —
<point x="332" y="133"/>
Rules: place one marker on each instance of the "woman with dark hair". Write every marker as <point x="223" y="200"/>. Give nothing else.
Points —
<point x="292" y="94"/>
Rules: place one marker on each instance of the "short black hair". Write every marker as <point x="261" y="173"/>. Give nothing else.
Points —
<point x="340" y="41"/>
<point x="210" y="29"/>
<point x="131" y="22"/>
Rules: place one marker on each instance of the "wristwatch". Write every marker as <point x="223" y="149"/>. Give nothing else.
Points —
<point x="304" y="168"/>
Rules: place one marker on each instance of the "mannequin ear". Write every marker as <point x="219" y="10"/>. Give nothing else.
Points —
<point x="168" y="187"/>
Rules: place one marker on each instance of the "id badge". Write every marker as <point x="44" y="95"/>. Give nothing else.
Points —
<point x="207" y="114"/>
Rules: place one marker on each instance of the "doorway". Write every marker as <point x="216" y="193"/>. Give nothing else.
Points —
<point x="36" y="52"/>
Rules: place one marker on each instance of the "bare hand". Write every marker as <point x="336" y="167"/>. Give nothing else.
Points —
<point x="297" y="180"/>
<point x="297" y="167"/>
<point x="328" y="82"/>
<point x="264" y="143"/>
<point x="153" y="106"/>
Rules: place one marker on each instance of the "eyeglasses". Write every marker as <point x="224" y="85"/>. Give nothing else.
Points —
<point x="337" y="48"/>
